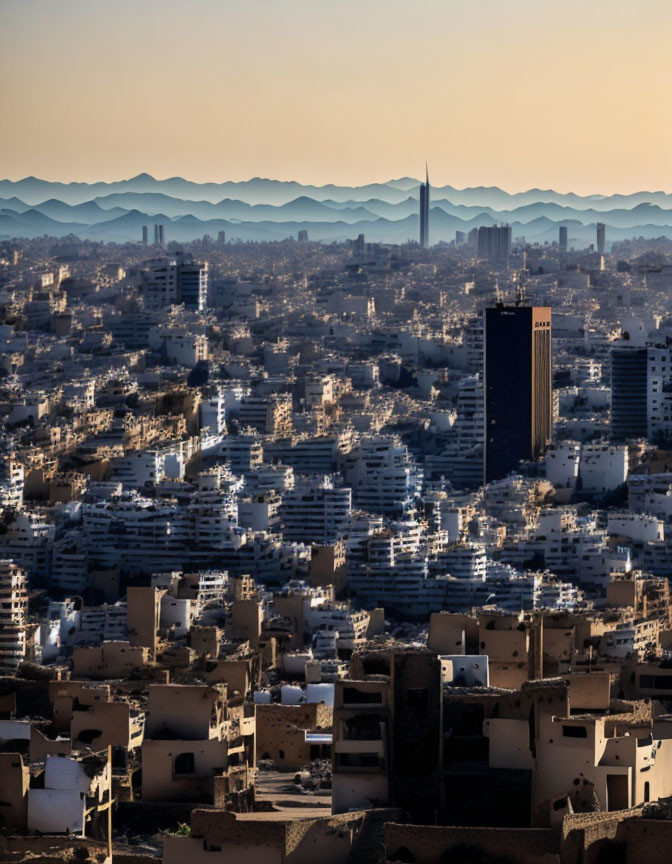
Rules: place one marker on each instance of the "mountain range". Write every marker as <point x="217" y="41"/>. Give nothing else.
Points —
<point x="261" y="209"/>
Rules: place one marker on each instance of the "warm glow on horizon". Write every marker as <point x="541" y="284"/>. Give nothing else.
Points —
<point x="519" y="94"/>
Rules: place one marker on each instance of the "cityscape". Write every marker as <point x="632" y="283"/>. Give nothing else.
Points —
<point x="335" y="517"/>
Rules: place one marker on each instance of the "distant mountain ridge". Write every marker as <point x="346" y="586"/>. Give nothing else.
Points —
<point x="274" y="209"/>
<point x="260" y="190"/>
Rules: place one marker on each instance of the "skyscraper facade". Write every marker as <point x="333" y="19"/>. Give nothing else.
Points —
<point x="641" y="395"/>
<point x="628" y="393"/>
<point x="518" y="394"/>
<point x="424" y="211"/>
<point x="192" y="282"/>
<point x="601" y="237"/>
<point x="562" y="239"/>
<point x="494" y="242"/>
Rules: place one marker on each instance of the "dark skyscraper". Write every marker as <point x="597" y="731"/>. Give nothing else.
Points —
<point x="629" y="386"/>
<point x="562" y="240"/>
<point x="518" y="397"/>
<point x="601" y="237"/>
<point x="424" y="211"/>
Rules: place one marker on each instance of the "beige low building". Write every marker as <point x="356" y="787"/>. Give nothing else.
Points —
<point x="194" y="734"/>
<point x="598" y="761"/>
<point x="284" y="734"/>
<point x="219" y="837"/>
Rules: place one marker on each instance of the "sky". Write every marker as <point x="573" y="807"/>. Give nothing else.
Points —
<point x="564" y="94"/>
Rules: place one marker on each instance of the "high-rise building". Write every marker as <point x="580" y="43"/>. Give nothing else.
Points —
<point x="562" y="240"/>
<point x="144" y="235"/>
<point x="13" y="616"/>
<point x="303" y="236"/>
<point x="641" y="401"/>
<point x="192" y="282"/>
<point x="424" y="211"/>
<point x="162" y="239"/>
<point x="460" y="238"/>
<point x="518" y="389"/>
<point x="628" y="393"/>
<point x="156" y="234"/>
<point x="181" y="280"/>
<point x="221" y="238"/>
<point x="601" y="237"/>
<point x="494" y="242"/>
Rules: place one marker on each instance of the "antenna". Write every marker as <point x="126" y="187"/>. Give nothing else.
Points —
<point x="499" y="297"/>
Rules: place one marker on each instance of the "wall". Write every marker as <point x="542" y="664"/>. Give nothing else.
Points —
<point x="281" y="732"/>
<point x="509" y="743"/>
<point x="143" y="613"/>
<point x="13" y="791"/>
<point x="160" y="783"/>
<point x="186" y="710"/>
<point x="64" y="694"/>
<point x="262" y="839"/>
<point x="589" y="691"/>
<point x="109" y="660"/>
<point x="246" y="618"/>
<point x="451" y="633"/>
<point x="429" y="844"/>
<point x="178" y="850"/>
<point x="236" y="674"/>
<point x="56" y="810"/>
<point x="110" y="719"/>
<point x="41" y="746"/>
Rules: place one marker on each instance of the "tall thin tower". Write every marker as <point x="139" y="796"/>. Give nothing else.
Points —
<point x="424" y="210"/>
<point x="601" y="237"/>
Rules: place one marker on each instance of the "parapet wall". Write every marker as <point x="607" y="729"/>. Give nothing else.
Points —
<point x="429" y="844"/>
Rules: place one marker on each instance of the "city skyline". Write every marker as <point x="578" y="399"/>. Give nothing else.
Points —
<point x="335" y="505"/>
<point x="346" y="94"/>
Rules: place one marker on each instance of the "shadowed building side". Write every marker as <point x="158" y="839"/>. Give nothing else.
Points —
<point x="424" y="211"/>
<point x="518" y="394"/>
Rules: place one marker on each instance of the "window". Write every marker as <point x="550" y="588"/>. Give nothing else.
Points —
<point x="353" y="696"/>
<point x="655" y="682"/>
<point x="358" y="760"/>
<point x="184" y="764"/>
<point x="574" y="732"/>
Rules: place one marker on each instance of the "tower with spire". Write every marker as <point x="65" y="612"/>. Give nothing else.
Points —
<point x="424" y="210"/>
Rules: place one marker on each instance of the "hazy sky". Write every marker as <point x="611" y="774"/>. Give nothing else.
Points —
<point x="573" y="94"/>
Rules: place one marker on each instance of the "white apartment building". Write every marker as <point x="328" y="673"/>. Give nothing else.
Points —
<point x="383" y="476"/>
<point x="604" y="467"/>
<point x="106" y="623"/>
<point x="315" y="514"/>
